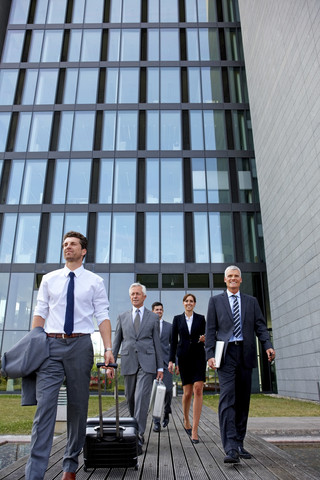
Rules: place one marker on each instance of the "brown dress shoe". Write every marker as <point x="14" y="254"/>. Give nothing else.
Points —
<point x="69" y="476"/>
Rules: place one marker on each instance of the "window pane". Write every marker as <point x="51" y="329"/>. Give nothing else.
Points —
<point x="198" y="180"/>
<point x="111" y="93"/>
<point x="22" y="133"/>
<point x="191" y="10"/>
<point x="214" y="131"/>
<point x="153" y="44"/>
<point x="8" y="81"/>
<point x="60" y="181"/>
<point x="209" y="44"/>
<point x="172" y="238"/>
<point x="29" y="86"/>
<point x="130" y="45"/>
<point x="127" y="130"/>
<point x="40" y="132"/>
<point x="7" y="237"/>
<point x="90" y="48"/>
<point x="170" y="130"/>
<point x="207" y="11"/>
<point x="171" y="180"/>
<point x="19" y="307"/>
<point x="170" y="85"/>
<point x="247" y="180"/>
<point x="125" y="180"/>
<point x="129" y="85"/>
<point x="79" y="181"/>
<point x="249" y="237"/>
<point x="196" y="129"/>
<point x="152" y="238"/>
<point x="103" y="237"/>
<point x="109" y="130"/>
<point x="153" y="11"/>
<point x="55" y="238"/>
<point x="169" y="44"/>
<point x="41" y="11"/>
<point x="87" y="85"/>
<point x="15" y="181"/>
<point x="211" y="85"/>
<point x="131" y="11"/>
<point x="152" y="130"/>
<point x="115" y="11"/>
<point x="119" y="283"/>
<point x="83" y="131"/>
<point x="194" y="85"/>
<point x="123" y="234"/>
<point x="27" y="238"/>
<point x="218" y="180"/>
<point x="114" y="44"/>
<point x="201" y="237"/>
<point x="169" y="11"/>
<point x="94" y="11"/>
<point x="77" y="11"/>
<point x="19" y="11"/>
<point x="5" y="118"/>
<point x="221" y="237"/>
<point x="152" y="180"/>
<point x="65" y="131"/>
<point x="105" y="180"/>
<point x="233" y="44"/>
<point x="56" y="11"/>
<point x="153" y="85"/>
<point x="46" y="87"/>
<point x="33" y="181"/>
<point x="71" y="79"/>
<point x="4" y="282"/>
<point x="74" y="45"/>
<point x="52" y="46"/>
<point x="76" y="222"/>
<point x="35" y="45"/>
<point x="13" y="46"/>
<point x="192" y="44"/>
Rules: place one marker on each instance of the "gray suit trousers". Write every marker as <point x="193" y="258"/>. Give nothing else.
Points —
<point x="71" y="358"/>
<point x="138" y="391"/>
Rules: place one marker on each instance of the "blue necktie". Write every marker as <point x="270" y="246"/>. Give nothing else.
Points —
<point x="68" y="324"/>
<point x="236" y="317"/>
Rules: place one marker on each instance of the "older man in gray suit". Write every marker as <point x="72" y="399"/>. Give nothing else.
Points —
<point x="137" y="333"/>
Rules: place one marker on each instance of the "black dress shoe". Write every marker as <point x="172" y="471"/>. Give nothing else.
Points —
<point x="232" y="457"/>
<point x="141" y="439"/>
<point x="189" y="431"/>
<point x="156" y="427"/>
<point x="243" y="453"/>
<point x="139" y="449"/>
<point x="194" y="440"/>
<point x="165" y="421"/>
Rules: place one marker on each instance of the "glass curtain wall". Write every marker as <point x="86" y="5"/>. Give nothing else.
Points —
<point x="129" y="121"/>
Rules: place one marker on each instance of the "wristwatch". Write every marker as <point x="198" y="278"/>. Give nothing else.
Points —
<point x="109" y="349"/>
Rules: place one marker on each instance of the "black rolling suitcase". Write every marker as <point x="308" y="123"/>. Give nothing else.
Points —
<point x="111" y="442"/>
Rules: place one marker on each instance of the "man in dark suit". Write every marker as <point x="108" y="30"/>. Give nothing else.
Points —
<point x="165" y="339"/>
<point x="235" y="319"/>
<point x="137" y="333"/>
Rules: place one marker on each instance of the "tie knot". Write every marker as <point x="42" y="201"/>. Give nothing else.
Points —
<point x="71" y="274"/>
<point x="137" y="311"/>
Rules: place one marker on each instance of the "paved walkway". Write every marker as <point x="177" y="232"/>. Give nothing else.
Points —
<point x="171" y="456"/>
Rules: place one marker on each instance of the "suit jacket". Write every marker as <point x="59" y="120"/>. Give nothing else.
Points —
<point x="165" y="340"/>
<point x="143" y="349"/>
<point x="220" y="326"/>
<point x="23" y="359"/>
<point x="185" y="345"/>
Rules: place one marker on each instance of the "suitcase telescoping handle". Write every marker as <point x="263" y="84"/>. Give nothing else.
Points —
<point x="115" y="366"/>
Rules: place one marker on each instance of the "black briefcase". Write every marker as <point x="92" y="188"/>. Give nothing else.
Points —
<point x="111" y="442"/>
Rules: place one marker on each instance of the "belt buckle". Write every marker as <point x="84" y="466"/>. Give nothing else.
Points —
<point x="63" y="336"/>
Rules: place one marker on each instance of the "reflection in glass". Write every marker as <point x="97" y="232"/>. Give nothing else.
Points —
<point x="26" y="238"/>
<point x="56" y="11"/>
<point x="51" y="46"/>
<point x="108" y="130"/>
<point x="199" y="180"/>
<point x="22" y="133"/>
<point x="129" y="85"/>
<point x="249" y="237"/>
<point x="19" y="11"/>
<point x="94" y="11"/>
<point x="77" y="11"/>
<point x="152" y="180"/>
<point x="4" y="127"/>
<point x="153" y="85"/>
<point x="19" y="301"/>
<point x="90" y="48"/>
<point x="125" y="180"/>
<point x="8" y="81"/>
<point x="87" y="85"/>
<point x="40" y="132"/>
<point x="105" y="180"/>
<point x="214" y="130"/>
<point x="65" y="131"/>
<point x="153" y="44"/>
<point x="46" y="87"/>
<point x="115" y="12"/>
<point x="79" y="181"/>
<point x="15" y="181"/>
<point x="102" y="249"/>
<point x="74" y="45"/>
<point x="152" y="133"/>
<point x="201" y="237"/>
<point x="221" y="237"/>
<point x="218" y="180"/>
<point x="76" y="222"/>
<point x="172" y="237"/>
<point x="247" y="180"/>
<point x="33" y="181"/>
<point x="83" y="130"/>
<point x="13" y="46"/>
<point x="127" y="130"/>
<point x="55" y="238"/>
<point x="170" y="85"/>
<point x="211" y="85"/>
<point x="60" y="181"/>
<point x="170" y="130"/>
<point x="4" y="282"/>
<point x="130" y="45"/>
<point x="111" y="91"/>
<point x="233" y="44"/>
<point x="70" y="82"/>
<point x="171" y="180"/>
<point x="209" y="44"/>
<point x="29" y="86"/>
<point x="7" y="237"/>
<point x="196" y="129"/>
<point x="152" y="237"/>
<point x="194" y="85"/>
<point x="193" y="44"/>
<point x="169" y="44"/>
<point x="114" y="44"/>
<point x="123" y="235"/>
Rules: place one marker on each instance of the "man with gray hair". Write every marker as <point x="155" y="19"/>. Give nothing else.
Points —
<point x="138" y="335"/>
<point x="235" y="318"/>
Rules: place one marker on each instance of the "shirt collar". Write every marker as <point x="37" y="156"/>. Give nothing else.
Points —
<point x="230" y="294"/>
<point x="141" y="309"/>
<point x="77" y="271"/>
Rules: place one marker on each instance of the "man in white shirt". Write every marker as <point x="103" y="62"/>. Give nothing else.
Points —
<point x="68" y="299"/>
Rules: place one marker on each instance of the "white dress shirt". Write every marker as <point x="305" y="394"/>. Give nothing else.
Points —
<point x="189" y="322"/>
<point x="90" y="300"/>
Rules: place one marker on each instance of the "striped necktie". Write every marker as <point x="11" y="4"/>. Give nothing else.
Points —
<point x="236" y="317"/>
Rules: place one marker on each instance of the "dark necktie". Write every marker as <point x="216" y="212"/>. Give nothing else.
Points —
<point x="137" y="321"/>
<point x="68" y="324"/>
<point x="236" y="317"/>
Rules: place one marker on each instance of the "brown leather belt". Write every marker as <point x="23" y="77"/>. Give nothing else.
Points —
<point x="64" y="335"/>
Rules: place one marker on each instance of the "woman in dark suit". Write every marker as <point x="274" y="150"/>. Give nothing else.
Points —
<point x="187" y="345"/>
